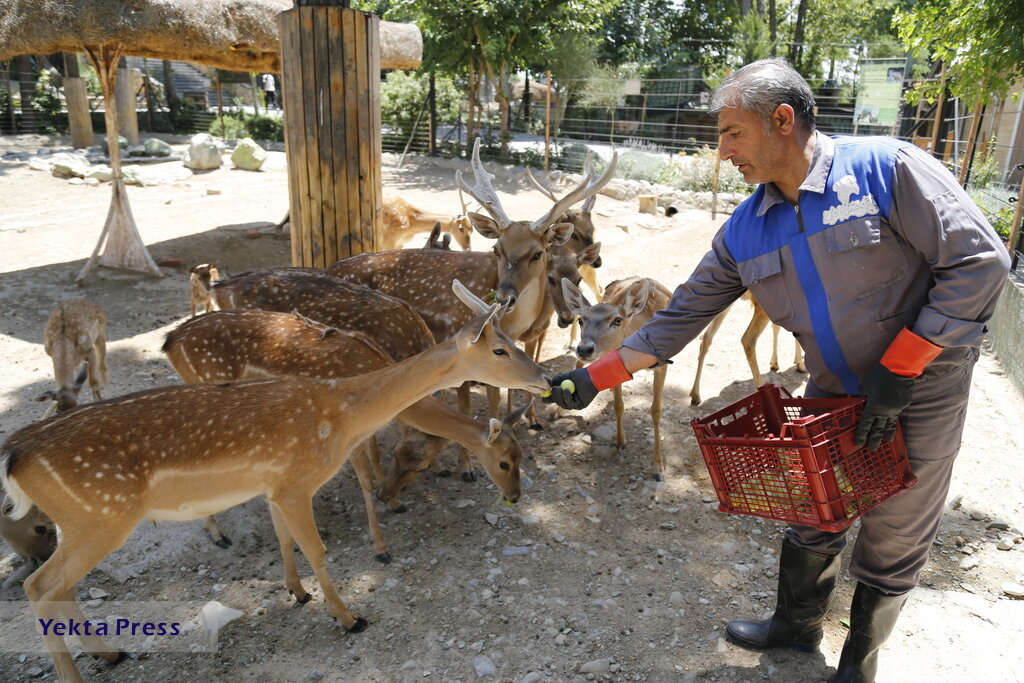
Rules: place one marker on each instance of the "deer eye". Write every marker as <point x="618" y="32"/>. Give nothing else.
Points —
<point x="41" y="530"/>
<point x="551" y="280"/>
<point x="505" y="466"/>
<point x="616" y="322"/>
<point x="500" y="352"/>
<point x="536" y="257"/>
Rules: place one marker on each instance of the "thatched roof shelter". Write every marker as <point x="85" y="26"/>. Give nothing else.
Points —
<point x="238" y="35"/>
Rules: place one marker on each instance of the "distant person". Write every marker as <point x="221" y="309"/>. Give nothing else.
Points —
<point x="270" y="91"/>
<point x="868" y="250"/>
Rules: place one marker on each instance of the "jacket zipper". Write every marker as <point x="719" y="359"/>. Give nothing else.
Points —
<point x="799" y="218"/>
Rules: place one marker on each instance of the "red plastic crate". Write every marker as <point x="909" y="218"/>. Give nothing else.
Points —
<point x="793" y="459"/>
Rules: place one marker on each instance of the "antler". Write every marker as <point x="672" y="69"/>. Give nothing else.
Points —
<point x="588" y="168"/>
<point x="543" y="190"/>
<point x="587" y="188"/>
<point x="483" y="192"/>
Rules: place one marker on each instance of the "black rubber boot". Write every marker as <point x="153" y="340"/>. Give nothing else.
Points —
<point x="806" y="582"/>
<point x="873" y="616"/>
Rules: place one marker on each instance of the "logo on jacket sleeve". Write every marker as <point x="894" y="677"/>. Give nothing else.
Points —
<point x="845" y="188"/>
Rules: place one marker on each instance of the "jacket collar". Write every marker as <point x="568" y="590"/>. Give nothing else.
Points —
<point x="817" y="174"/>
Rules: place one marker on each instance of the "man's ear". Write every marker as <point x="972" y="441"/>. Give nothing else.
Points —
<point x="784" y="118"/>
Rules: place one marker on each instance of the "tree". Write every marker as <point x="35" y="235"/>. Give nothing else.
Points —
<point x="978" y="40"/>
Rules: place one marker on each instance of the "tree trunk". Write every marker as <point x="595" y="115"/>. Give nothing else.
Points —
<point x="473" y="84"/>
<point x="172" y="97"/>
<point x="120" y="240"/>
<point x="27" y="86"/>
<point x="773" y="24"/>
<point x="796" y="50"/>
<point x="79" y="119"/>
<point x="124" y="99"/>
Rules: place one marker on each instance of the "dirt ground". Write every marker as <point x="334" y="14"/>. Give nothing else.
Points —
<point x="598" y="569"/>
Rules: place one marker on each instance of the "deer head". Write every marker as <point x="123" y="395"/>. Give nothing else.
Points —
<point x="522" y="247"/>
<point x="605" y="325"/>
<point x="582" y="223"/>
<point x="565" y="265"/>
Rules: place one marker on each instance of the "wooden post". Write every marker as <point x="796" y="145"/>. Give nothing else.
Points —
<point x="124" y="98"/>
<point x="938" y="112"/>
<point x="79" y="119"/>
<point x="1014" y="237"/>
<point x="220" y="102"/>
<point x="255" y="94"/>
<point x="714" y="179"/>
<point x="432" y="122"/>
<point x="547" y="121"/>
<point x="972" y="138"/>
<point x="330" y="60"/>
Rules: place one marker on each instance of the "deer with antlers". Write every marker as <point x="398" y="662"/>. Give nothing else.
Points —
<point x="75" y="333"/>
<point x="400" y="221"/>
<point x="516" y="270"/>
<point x="759" y="320"/>
<point x="626" y="306"/>
<point x="245" y="344"/>
<point x="184" y="452"/>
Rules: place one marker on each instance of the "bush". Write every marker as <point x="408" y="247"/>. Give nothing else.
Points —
<point x="228" y="126"/>
<point x="266" y="128"/>
<point x="696" y="172"/>
<point x="48" y="105"/>
<point x="183" y="120"/>
<point x="402" y="94"/>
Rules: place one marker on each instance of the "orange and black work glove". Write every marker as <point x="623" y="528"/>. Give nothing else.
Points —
<point x="604" y="373"/>
<point x="889" y="387"/>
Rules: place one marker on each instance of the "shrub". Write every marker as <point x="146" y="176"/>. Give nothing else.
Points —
<point x="402" y="94"/>
<point x="48" y="105"/>
<point x="265" y="128"/>
<point x="183" y="119"/>
<point x="228" y="126"/>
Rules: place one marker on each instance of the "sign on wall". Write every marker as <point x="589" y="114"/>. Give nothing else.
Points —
<point x="880" y="92"/>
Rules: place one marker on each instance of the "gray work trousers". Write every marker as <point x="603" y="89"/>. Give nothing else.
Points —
<point x="894" y="538"/>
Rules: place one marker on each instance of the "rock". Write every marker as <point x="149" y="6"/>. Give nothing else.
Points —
<point x="156" y="148"/>
<point x="37" y="164"/>
<point x="464" y="503"/>
<point x="531" y="677"/>
<point x="529" y="520"/>
<point x="1005" y="544"/>
<point x="203" y="153"/>
<point x="98" y="593"/>
<point x="969" y="562"/>
<point x="91" y="182"/>
<point x="998" y="524"/>
<point x="218" y="587"/>
<point x="215" y="617"/>
<point x="136" y="175"/>
<point x="122" y="142"/>
<point x="173" y="262"/>
<point x="676" y="598"/>
<point x="34" y="672"/>
<point x="100" y="172"/>
<point x="515" y="550"/>
<point x="1014" y="590"/>
<point x="248" y="155"/>
<point x="667" y="526"/>
<point x="136" y="151"/>
<point x="596" y="666"/>
<point x="252" y="234"/>
<point x="76" y="181"/>
<point x="314" y="675"/>
<point x="491" y="518"/>
<point x="605" y="432"/>
<point x="483" y="666"/>
<point x="211" y="191"/>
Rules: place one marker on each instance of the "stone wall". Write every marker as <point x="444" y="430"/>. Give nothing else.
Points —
<point x="1006" y="330"/>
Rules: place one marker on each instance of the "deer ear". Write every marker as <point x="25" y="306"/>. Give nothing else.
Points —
<point x="589" y="255"/>
<point x="474" y="329"/>
<point x="559" y="233"/>
<point x="83" y="372"/>
<point x="485" y="225"/>
<point x="636" y="297"/>
<point x="469" y="298"/>
<point x="574" y="298"/>
<point x="493" y="431"/>
<point x="510" y="420"/>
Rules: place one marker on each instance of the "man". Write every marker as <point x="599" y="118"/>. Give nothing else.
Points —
<point x="270" y="90"/>
<point x="886" y="272"/>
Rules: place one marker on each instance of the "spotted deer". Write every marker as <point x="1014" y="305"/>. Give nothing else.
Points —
<point x="75" y="332"/>
<point x="627" y="304"/>
<point x="513" y="274"/>
<point x="233" y="345"/>
<point x="187" y="451"/>
<point x="401" y="221"/>
<point x="33" y="537"/>
<point x="200" y="279"/>
<point x="759" y="320"/>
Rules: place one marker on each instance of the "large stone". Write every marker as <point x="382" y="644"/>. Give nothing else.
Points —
<point x="248" y="155"/>
<point x="156" y="147"/>
<point x="122" y="142"/>
<point x="67" y="165"/>
<point x="100" y="172"/>
<point x="203" y="153"/>
<point x="136" y="151"/>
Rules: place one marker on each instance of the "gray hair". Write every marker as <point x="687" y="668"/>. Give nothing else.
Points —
<point x="762" y="86"/>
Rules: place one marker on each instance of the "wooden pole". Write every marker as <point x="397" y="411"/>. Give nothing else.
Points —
<point x="432" y="120"/>
<point x="1014" y="237"/>
<point x="938" y="112"/>
<point x="972" y="138"/>
<point x="714" y="179"/>
<point x="220" y="103"/>
<point x="124" y="102"/>
<point x="330" y="61"/>
<point x="547" y="122"/>
<point x="79" y="120"/>
<point x="255" y="94"/>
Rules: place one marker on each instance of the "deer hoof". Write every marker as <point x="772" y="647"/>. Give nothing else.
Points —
<point x="303" y="600"/>
<point x="469" y="476"/>
<point x="659" y="477"/>
<point x="444" y="473"/>
<point x="384" y="557"/>
<point x="223" y="542"/>
<point x="359" y="626"/>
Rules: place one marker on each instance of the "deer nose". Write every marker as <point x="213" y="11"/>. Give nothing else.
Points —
<point x="564" y="321"/>
<point x="584" y="350"/>
<point x="597" y="262"/>
<point x="506" y="296"/>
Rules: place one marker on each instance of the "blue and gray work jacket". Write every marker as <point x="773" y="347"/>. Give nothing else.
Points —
<point x="881" y="237"/>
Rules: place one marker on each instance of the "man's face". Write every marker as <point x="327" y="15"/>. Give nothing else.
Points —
<point x="755" y="154"/>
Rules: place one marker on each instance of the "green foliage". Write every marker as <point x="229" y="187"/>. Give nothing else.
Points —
<point x="979" y="41"/>
<point x="696" y="172"/>
<point x="241" y="125"/>
<point x="183" y="119"/>
<point x="48" y="105"/>
<point x="402" y="95"/>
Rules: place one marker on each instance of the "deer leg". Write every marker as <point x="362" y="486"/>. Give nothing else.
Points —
<point x="97" y="370"/>
<point x="297" y="517"/>
<point x="774" y="365"/>
<point x="215" y="533"/>
<point x="705" y="344"/>
<point x="93" y="645"/>
<point x="659" y="386"/>
<point x="361" y="464"/>
<point x="285" y="540"/>
<point x="589" y="274"/>
<point x="798" y="356"/>
<point x="78" y="552"/>
<point x="749" y="341"/>
<point x="374" y="458"/>
<point x="466" y="408"/>
<point x="573" y="329"/>
<point x="620" y="408"/>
